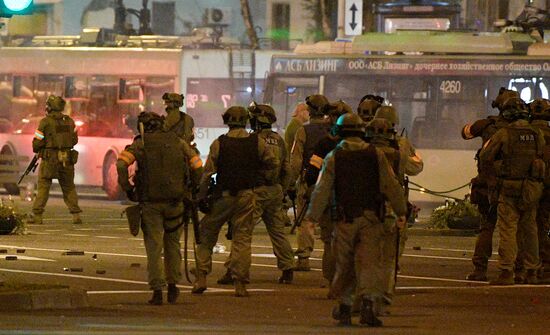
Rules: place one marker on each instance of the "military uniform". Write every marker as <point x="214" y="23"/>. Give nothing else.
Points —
<point x="516" y="152"/>
<point x="306" y="139"/>
<point x="236" y="158"/>
<point x="359" y="176"/>
<point x="177" y="121"/>
<point x="483" y="185"/>
<point x="163" y="159"/>
<point x="54" y="141"/>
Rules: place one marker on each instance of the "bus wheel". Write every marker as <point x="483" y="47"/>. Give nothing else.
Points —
<point x="12" y="188"/>
<point x="110" y="178"/>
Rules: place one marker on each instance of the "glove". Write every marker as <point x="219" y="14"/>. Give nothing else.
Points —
<point x="204" y="206"/>
<point x="131" y="194"/>
<point x="291" y="193"/>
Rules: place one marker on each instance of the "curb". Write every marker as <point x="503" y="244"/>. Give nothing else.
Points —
<point x="442" y="232"/>
<point x="61" y="298"/>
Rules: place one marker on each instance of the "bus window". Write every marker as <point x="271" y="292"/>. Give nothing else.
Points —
<point x="288" y="92"/>
<point x="24" y="103"/>
<point x="5" y="103"/>
<point x="103" y="116"/>
<point x="77" y="87"/>
<point x="48" y="84"/>
<point x="530" y="88"/>
<point x="413" y="98"/>
<point x="155" y="87"/>
<point x="352" y="88"/>
<point x="23" y="87"/>
<point x="461" y="101"/>
<point x="131" y="90"/>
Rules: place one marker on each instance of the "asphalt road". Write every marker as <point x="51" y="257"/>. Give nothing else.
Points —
<point x="432" y="295"/>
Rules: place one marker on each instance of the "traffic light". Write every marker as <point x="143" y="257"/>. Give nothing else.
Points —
<point x="8" y="8"/>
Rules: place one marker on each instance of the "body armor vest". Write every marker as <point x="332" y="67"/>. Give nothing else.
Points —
<point x="238" y="163"/>
<point x="62" y="134"/>
<point x="184" y="127"/>
<point x="519" y="154"/>
<point x="545" y="129"/>
<point x="325" y="145"/>
<point x="486" y="170"/>
<point x="161" y="172"/>
<point x="272" y="176"/>
<point x="314" y="133"/>
<point x="357" y="182"/>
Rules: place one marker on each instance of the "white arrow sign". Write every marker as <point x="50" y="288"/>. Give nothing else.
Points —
<point x="354" y="17"/>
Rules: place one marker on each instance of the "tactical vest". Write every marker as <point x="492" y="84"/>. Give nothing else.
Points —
<point x="545" y="129"/>
<point x="62" y="133"/>
<point x="238" y="163"/>
<point x="519" y="154"/>
<point x="325" y="145"/>
<point x="161" y="171"/>
<point x="498" y="123"/>
<point x="391" y="151"/>
<point x="486" y="171"/>
<point x="314" y="133"/>
<point x="357" y="183"/>
<point x="271" y="176"/>
<point x="184" y="127"/>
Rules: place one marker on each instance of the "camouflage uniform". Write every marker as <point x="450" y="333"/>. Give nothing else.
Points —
<point x="300" y="155"/>
<point x="161" y="200"/>
<point x="54" y="141"/>
<point x="543" y="211"/>
<point x="357" y="239"/>
<point x="177" y="121"/>
<point x="234" y="206"/>
<point x="515" y="152"/>
<point x="483" y="185"/>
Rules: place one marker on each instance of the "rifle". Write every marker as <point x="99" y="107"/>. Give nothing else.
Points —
<point x="301" y="216"/>
<point x="30" y="168"/>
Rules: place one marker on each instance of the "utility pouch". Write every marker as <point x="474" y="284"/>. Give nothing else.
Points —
<point x="479" y="192"/>
<point x="133" y="214"/>
<point x="511" y="188"/>
<point x="73" y="156"/>
<point x="63" y="157"/>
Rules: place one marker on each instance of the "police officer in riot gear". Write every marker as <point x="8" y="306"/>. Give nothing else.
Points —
<point x="162" y="159"/>
<point x="236" y="158"/>
<point x="368" y="106"/>
<point x="360" y="178"/>
<point x="540" y="115"/>
<point x="177" y="121"/>
<point x="54" y="141"/>
<point x="305" y="141"/>
<point x="332" y="111"/>
<point x="484" y="184"/>
<point x="515" y="153"/>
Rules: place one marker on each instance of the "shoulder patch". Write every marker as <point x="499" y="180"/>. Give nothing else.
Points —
<point x="271" y="141"/>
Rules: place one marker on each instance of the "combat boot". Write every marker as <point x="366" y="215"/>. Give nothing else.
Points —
<point x="76" y="218"/>
<point x="531" y="278"/>
<point x="37" y="219"/>
<point x="506" y="277"/>
<point x="173" y="293"/>
<point x="200" y="283"/>
<point x="303" y="264"/>
<point x="519" y="277"/>
<point x="157" y="298"/>
<point x="226" y="279"/>
<point x="240" y="289"/>
<point x="342" y="313"/>
<point x="368" y="314"/>
<point x="477" y="275"/>
<point x="286" y="277"/>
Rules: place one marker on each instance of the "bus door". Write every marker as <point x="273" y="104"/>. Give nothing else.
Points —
<point x="460" y="100"/>
<point x="285" y="92"/>
<point x="414" y="98"/>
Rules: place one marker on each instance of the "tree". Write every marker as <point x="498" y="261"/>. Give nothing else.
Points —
<point x="249" y="25"/>
<point x="320" y="13"/>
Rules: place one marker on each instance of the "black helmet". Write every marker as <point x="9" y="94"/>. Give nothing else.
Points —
<point x="176" y="98"/>
<point x="336" y="109"/>
<point x="262" y="113"/>
<point x="315" y="104"/>
<point x="235" y="116"/>
<point x="380" y="127"/>
<point x="55" y="103"/>
<point x="389" y="113"/>
<point x="350" y="124"/>
<point x="367" y="109"/>
<point x="503" y="95"/>
<point x="540" y="109"/>
<point x="151" y="122"/>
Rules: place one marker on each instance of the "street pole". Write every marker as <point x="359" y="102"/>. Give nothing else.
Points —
<point x="341" y="18"/>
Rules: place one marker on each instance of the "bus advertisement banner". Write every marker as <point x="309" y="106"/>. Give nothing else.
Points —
<point x="411" y="66"/>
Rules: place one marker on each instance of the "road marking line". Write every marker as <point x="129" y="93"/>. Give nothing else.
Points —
<point x="440" y="279"/>
<point x="109" y="237"/>
<point x="28" y="258"/>
<point x="443" y="257"/>
<point x="77" y="235"/>
<point x="484" y="287"/>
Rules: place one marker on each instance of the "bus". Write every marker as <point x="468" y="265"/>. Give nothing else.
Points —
<point x="107" y="86"/>
<point x="437" y="81"/>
